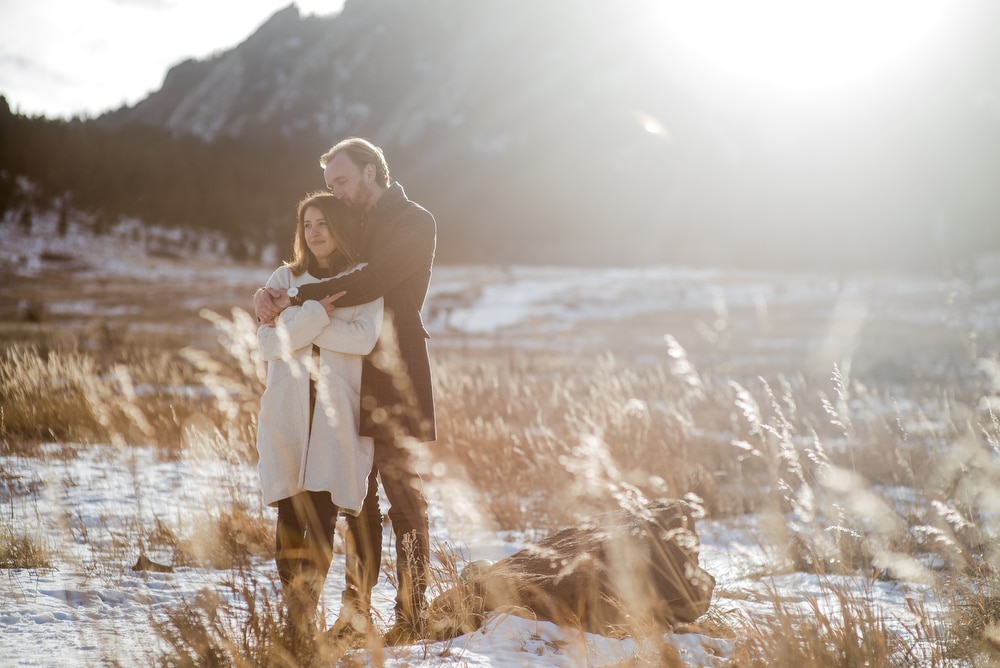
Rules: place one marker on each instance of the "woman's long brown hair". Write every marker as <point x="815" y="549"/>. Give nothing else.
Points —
<point x="343" y="224"/>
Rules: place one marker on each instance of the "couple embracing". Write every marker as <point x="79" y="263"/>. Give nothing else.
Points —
<point x="349" y="391"/>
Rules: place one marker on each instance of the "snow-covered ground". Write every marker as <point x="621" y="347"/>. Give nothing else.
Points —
<point x="86" y="511"/>
<point x="91" y="609"/>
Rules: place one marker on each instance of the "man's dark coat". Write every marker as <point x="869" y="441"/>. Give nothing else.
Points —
<point x="398" y="239"/>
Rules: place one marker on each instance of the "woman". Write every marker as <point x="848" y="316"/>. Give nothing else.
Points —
<point x="312" y="460"/>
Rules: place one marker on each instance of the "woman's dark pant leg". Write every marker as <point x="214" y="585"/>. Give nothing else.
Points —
<point x="304" y="549"/>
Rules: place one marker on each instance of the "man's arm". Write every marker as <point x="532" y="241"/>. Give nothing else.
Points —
<point x="409" y="248"/>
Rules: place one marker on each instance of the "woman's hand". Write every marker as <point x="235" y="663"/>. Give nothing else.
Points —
<point x="327" y="302"/>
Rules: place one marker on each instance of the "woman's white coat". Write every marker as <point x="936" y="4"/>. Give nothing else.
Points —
<point x="331" y="456"/>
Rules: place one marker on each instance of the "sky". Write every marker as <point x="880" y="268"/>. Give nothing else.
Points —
<point x="65" y="57"/>
<point x="61" y="58"/>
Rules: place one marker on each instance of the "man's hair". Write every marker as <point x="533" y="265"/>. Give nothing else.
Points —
<point x="343" y="228"/>
<point x="361" y="152"/>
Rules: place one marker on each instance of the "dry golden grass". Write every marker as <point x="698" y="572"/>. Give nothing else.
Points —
<point x="45" y="396"/>
<point x="18" y="550"/>
<point x="244" y="629"/>
<point x="229" y="540"/>
<point x="149" y="394"/>
<point x="855" y="633"/>
<point x="975" y="632"/>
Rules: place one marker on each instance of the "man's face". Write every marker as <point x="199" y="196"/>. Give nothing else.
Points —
<point x="349" y="183"/>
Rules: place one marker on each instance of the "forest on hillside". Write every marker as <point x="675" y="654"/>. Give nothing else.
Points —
<point x="559" y="201"/>
<point x="244" y="189"/>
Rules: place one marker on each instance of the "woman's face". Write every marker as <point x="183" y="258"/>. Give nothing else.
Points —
<point x="319" y="239"/>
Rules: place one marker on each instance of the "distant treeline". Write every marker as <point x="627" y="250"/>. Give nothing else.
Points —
<point x="552" y="200"/>
<point x="245" y="189"/>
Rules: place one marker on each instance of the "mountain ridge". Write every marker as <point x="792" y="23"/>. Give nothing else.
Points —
<point x="576" y="133"/>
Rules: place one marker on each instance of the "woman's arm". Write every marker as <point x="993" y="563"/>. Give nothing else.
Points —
<point x="353" y="330"/>
<point x="295" y="328"/>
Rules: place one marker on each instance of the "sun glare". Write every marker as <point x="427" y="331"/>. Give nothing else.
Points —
<point x="651" y="125"/>
<point x="803" y="46"/>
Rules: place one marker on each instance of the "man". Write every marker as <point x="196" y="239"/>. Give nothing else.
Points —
<point x="398" y="239"/>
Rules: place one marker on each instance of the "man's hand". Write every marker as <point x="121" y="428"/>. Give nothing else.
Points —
<point x="270" y="302"/>
<point x="328" y="304"/>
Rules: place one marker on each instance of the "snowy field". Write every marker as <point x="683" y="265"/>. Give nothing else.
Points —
<point x="90" y="608"/>
<point x="87" y="611"/>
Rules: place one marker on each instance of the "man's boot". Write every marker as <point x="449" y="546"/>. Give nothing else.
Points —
<point x="411" y="601"/>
